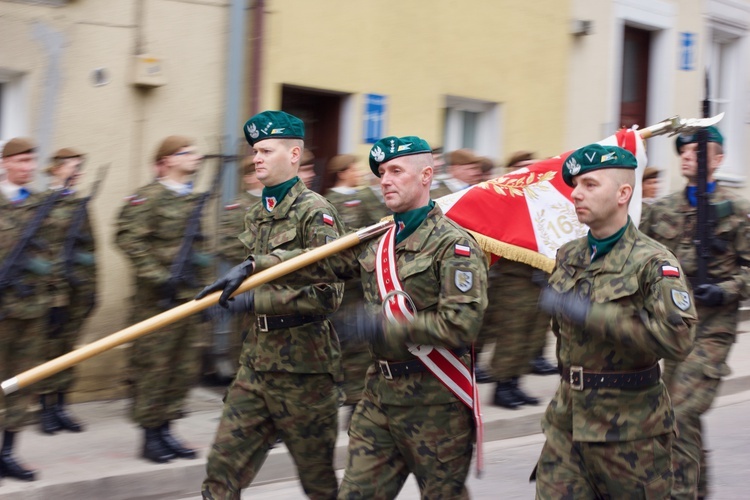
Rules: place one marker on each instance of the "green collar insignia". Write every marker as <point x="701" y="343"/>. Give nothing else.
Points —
<point x="273" y="195"/>
<point x="600" y="248"/>
<point x="408" y="222"/>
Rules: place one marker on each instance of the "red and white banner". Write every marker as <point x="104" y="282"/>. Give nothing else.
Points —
<point x="528" y="214"/>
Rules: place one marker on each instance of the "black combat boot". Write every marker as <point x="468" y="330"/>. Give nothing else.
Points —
<point x="482" y="376"/>
<point x="63" y="417"/>
<point x="47" y="418"/>
<point x="540" y="366"/>
<point x="172" y="444"/>
<point x="504" y="395"/>
<point x="8" y="465"/>
<point x="153" y="447"/>
<point x="520" y="395"/>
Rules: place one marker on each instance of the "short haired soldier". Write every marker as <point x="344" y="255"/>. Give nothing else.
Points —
<point x="75" y="248"/>
<point x="407" y="421"/>
<point x="693" y="382"/>
<point x="619" y="302"/>
<point x="291" y="361"/>
<point x="151" y="229"/>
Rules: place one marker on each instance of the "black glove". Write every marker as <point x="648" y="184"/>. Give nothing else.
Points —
<point x="540" y="278"/>
<point x="229" y="283"/>
<point x="58" y="317"/>
<point x="361" y="327"/>
<point x="168" y="293"/>
<point x="709" y="295"/>
<point x="567" y="304"/>
<point x="243" y="304"/>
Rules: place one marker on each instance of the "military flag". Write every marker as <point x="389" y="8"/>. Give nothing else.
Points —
<point x="526" y="215"/>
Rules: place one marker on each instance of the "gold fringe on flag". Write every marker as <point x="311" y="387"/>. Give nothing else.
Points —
<point x="513" y="252"/>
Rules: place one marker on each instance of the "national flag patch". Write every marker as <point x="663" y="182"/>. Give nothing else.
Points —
<point x="352" y="203"/>
<point x="233" y="206"/>
<point x="131" y="197"/>
<point x="462" y="250"/>
<point x="138" y="201"/>
<point x="670" y="271"/>
<point x="327" y="219"/>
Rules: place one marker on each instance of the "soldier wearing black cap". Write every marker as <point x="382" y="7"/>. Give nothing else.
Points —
<point x="79" y="278"/>
<point x="672" y="221"/>
<point x="619" y="302"/>
<point x="25" y="304"/>
<point x="291" y="360"/>
<point x="150" y="231"/>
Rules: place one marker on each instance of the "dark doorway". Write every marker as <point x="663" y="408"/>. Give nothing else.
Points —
<point x="321" y="112"/>
<point x="634" y="91"/>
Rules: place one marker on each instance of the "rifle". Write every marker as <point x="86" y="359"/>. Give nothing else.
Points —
<point x="181" y="269"/>
<point x="74" y="236"/>
<point x="13" y="263"/>
<point x="705" y="222"/>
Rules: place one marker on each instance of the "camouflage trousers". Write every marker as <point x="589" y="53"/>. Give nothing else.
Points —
<point x="692" y="387"/>
<point x="355" y="358"/>
<point x="517" y="328"/>
<point x="259" y="406"/>
<point x="639" y="469"/>
<point x="59" y="341"/>
<point x="164" y="366"/>
<point x="386" y="443"/>
<point x="19" y="351"/>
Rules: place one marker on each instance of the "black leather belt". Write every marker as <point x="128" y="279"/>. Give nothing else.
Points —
<point x="266" y="323"/>
<point x="390" y="369"/>
<point x="581" y="379"/>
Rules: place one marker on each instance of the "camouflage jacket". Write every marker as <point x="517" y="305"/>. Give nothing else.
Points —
<point x="302" y="220"/>
<point x="39" y="285"/>
<point x="231" y="224"/>
<point x="431" y="271"/>
<point x="672" y="222"/>
<point x="150" y="230"/>
<point x="638" y="315"/>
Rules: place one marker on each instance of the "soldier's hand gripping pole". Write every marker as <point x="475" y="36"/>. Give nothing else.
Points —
<point x="182" y="311"/>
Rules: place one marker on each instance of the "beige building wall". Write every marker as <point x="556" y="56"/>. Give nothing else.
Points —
<point x="51" y="53"/>
<point x="512" y="53"/>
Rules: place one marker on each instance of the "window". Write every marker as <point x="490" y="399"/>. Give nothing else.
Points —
<point x="472" y="124"/>
<point x="13" y="107"/>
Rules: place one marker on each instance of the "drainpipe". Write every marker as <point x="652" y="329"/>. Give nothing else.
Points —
<point x="257" y="55"/>
<point x="231" y="136"/>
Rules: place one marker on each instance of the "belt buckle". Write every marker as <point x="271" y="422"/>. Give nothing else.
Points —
<point x="576" y="371"/>
<point x="386" y="372"/>
<point x="262" y="321"/>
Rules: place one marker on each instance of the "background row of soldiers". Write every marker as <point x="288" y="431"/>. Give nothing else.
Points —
<point x="55" y="289"/>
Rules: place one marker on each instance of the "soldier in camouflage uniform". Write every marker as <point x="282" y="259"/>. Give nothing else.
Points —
<point x="150" y="231"/>
<point x="346" y="196"/>
<point x="230" y="249"/>
<point x="693" y="383"/>
<point x="407" y="421"/>
<point x="619" y="302"/>
<point x="79" y="278"/>
<point x="24" y="310"/>
<point x="291" y="360"/>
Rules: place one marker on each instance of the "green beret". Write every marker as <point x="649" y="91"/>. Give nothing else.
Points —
<point x="273" y="125"/>
<point x="595" y="157"/>
<point x="713" y="136"/>
<point x="392" y="147"/>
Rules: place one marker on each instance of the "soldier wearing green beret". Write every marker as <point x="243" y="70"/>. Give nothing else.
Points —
<point x="693" y="383"/>
<point x="78" y="281"/>
<point x="424" y="284"/>
<point x="150" y="231"/>
<point x="619" y="302"/>
<point x="25" y="304"/>
<point x="291" y="361"/>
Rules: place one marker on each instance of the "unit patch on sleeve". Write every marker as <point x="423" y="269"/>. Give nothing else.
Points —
<point x="464" y="280"/>
<point x="681" y="299"/>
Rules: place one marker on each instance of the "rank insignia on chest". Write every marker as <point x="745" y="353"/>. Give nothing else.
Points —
<point x="462" y="250"/>
<point x="681" y="299"/>
<point x="328" y="219"/>
<point x="270" y="203"/>
<point x="464" y="280"/>
<point x="352" y="203"/>
<point x="670" y="271"/>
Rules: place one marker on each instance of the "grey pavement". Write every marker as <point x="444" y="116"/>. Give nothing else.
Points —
<point x="103" y="462"/>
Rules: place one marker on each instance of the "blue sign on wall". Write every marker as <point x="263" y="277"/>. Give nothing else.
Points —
<point x="687" y="51"/>
<point x="374" y="126"/>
